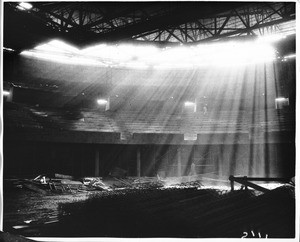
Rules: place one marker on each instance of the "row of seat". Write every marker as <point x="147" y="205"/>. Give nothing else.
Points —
<point x="131" y="122"/>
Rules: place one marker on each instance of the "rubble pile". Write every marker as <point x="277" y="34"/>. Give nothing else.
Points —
<point x="95" y="183"/>
<point x="62" y="184"/>
<point x="147" y="183"/>
<point x="44" y="184"/>
<point x="187" y="184"/>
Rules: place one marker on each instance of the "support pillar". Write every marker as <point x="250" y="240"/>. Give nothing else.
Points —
<point x="138" y="162"/>
<point x="179" y="162"/>
<point x="97" y="162"/>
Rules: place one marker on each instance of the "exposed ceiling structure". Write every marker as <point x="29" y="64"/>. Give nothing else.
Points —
<point x="87" y="23"/>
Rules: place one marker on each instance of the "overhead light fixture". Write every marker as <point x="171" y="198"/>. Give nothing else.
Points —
<point x="101" y="101"/>
<point x="58" y="46"/>
<point x="24" y="6"/>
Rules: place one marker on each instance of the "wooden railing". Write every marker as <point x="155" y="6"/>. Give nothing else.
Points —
<point x="247" y="182"/>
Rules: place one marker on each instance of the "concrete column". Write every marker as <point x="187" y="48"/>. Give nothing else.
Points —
<point x="138" y="162"/>
<point x="97" y="162"/>
<point x="179" y="161"/>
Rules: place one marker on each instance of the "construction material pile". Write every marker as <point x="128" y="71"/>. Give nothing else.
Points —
<point x="147" y="183"/>
<point x="95" y="183"/>
<point x="196" y="183"/>
<point x="44" y="184"/>
<point x="63" y="184"/>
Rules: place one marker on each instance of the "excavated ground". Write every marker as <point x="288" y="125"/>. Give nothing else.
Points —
<point x="182" y="212"/>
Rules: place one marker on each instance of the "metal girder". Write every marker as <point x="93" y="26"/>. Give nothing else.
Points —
<point x="245" y="30"/>
<point x="108" y="22"/>
<point x="99" y="21"/>
<point x="223" y="25"/>
<point x="171" y="33"/>
<point x="201" y="26"/>
<point x="109" y="18"/>
<point x="247" y="25"/>
<point x="250" y="20"/>
<point x="192" y="22"/>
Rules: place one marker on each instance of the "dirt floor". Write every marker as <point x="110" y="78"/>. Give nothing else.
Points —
<point x="186" y="212"/>
<point x="24" y="208"/>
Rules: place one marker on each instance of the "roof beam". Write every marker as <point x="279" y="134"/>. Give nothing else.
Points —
<point x="256" y="26"/>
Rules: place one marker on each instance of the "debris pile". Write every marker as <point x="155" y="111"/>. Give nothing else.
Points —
<point x="196" y="183"/>
<point x="138" y="207"/>
<point x="95" y="183"/>
<point x="147" y="183"/>
<point x="44" y="184"/>
<point x="61" y="183"/>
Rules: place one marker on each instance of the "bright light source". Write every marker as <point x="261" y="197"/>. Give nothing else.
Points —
<point x="58" y="46"/>
<point x="281" y="102"/>
<point x="281" y="99"/>
<point x="141" y="57"/>
<point x="290" y="56"/>
<point x="63" y="46"/>
<point x="102" y="101"/>
<point x="190" y="136"/>
<point x="271" y="38"/>
<point x="189" y="104"/>
<point x="234" y="53"/>
<point x="94" y="50"/>
<point x="6" y="93"/>
<point x="24" y="6"/>
<point x="8" y="49"/>
<point x="64" y="59"/>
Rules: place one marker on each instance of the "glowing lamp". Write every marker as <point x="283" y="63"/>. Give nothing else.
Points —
<point x="102" y="101"/>
<point x="24" y="6"/>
